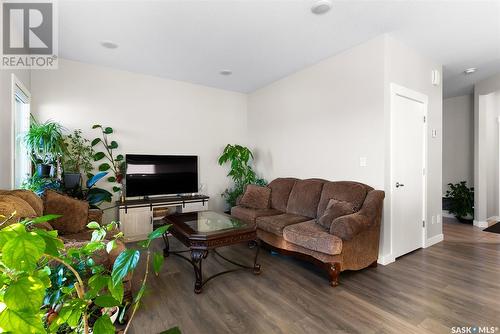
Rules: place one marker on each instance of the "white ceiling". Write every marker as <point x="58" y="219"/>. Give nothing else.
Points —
<point x="264" y="40"/>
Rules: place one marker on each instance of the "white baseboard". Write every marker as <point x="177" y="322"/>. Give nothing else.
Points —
<point x="433" y="240"/>
<point x="385" y="260"/>
<point x="480" y="224"/>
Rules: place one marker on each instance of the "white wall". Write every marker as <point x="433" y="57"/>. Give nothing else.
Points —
<point x="458" y="140"/>
<point x="319" y="121"/>
<point x="486" y="105"/>
<point x="409" y="69"/>
<point x="6" y="136"/>
<point x="150" y="115"/>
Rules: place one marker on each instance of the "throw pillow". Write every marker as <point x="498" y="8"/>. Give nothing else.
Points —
<point x="74" y="212"/>
<point x="256" y="197"/>
<point x="335" y="209"/>
<point x="31" y="198"/>
<point x="22" y="208"/>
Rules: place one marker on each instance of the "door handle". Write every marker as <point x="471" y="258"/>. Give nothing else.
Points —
<point x="399" y="185"/>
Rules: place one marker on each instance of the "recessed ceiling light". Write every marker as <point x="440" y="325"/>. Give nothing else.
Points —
<point x="226" y="72"/>
<point x="470" y="70"/>
<point x="109" y="44"/>
<point x="321" y="7"/>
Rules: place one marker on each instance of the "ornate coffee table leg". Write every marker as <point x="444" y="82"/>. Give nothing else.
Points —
<point x="197" y="256"/>
<point x="166" y="250"/>
<point x="256" y="266"/>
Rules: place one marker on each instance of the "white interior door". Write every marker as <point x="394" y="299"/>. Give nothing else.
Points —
<point x="408" y="118"/>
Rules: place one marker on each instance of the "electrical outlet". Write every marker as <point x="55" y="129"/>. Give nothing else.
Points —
<point x="433" y="220"/>
<point x="363" y="162"/>
<point x="439" y="219"/>
<point x="434" y="133"/>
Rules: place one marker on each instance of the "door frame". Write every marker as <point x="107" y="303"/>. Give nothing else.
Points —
<point x="16" y="84"/>
<point x="397" y="90"/>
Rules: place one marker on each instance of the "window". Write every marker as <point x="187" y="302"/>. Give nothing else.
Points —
<point x="21" y="163"/>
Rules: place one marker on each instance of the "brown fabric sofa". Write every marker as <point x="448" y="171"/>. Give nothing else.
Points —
<point x="27" y="205"/>
<point x="290" y="224"/>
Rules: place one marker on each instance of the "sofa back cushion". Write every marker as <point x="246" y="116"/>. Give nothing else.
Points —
<point x="29" y="197"/>
<point x="74" y="213"/>
<point x="347" y="191"/>
<point x="304" y="197"/>
<point x="17" y="204"/>
<point x="280" y="192"/>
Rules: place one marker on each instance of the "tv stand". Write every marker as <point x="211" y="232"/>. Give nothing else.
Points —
<point x="138" y="217"/>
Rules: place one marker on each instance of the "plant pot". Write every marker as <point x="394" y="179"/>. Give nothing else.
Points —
<point x="72" y="180"/>
<point x="43" y="170"/>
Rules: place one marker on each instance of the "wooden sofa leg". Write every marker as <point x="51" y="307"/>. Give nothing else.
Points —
<point x="374" y="264"/>
<point x="334" y="273"/>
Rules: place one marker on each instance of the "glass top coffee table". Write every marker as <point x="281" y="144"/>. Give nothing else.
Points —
<point x="204" y="232"/>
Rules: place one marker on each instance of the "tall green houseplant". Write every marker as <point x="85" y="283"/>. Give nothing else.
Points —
<point x="109" y="161"/>
<point x="45" y="144"/>
<point x="461" y="199"/>
<point x="241" y="172"/>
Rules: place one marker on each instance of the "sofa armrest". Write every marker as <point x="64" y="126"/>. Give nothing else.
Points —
<point x="347" y="227"/>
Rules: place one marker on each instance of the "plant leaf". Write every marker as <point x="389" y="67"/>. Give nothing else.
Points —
<point x="157" y="233"/>
<point x="95" y="141"/>
<point x="95" y="126"/>
<point x="119" y="157"/>
<point x="10" y="232"/>
<point x="113" y="145"/>
<point x="23" y="252"/>
<point x="158" y="260"/>
<point x="116" y="290"/>
<point x="52" y="243"/>
<point x="106" y="301"/>
<point x="116" y="189"/>
<point x="26" y="294"/>
<point x="108" y="130"/>
<point x="21" y="322"/>
<point x="93" y="225"/>
<point x="173" y="330"/>
<point x="110" y="246"/>
<point x="104" y="167"/>
<point x="44" y="219"/>
<point x="124" y="263"/>
<point x="103" y="325"/>
<point x="98" y="156"/>
<point x="94" y="179"/>
<point x="111" y="179"/>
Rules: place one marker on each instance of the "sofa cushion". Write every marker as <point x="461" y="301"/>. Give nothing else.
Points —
<point x="74" y="212"/>
<point x="352" y="192"/>
<point x="31" y="198"/>
<point x="334" y="210"/>
<point x="249" y="215"/>
<point x="313" y="236"/>
<point x="276" y="224"/>
<point x="256" y="197"/>
<point x="304" y="198"/>
<point x="280" y="191"/>
<point x="20" y="206"/>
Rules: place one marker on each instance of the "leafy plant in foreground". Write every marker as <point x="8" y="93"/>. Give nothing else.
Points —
<point x="29" y="256"/>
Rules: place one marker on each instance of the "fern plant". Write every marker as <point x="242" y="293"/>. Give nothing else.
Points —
<point x="461" y="200"/>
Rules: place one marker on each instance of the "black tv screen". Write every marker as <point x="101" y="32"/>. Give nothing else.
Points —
<point x="160" y="174"/>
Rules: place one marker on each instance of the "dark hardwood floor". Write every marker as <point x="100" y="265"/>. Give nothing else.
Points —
<point x="453" y="283"/>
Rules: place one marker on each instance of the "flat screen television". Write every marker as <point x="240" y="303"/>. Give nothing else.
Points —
<point x="148" y="175"/>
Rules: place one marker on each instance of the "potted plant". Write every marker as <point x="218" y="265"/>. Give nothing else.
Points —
<point x="45" y="143"/>
<point x="92" y="194"/>
<point x="241" y="172"/>
<point x="76" y="299"/>
<point x="77" y="159"/>
<point x="461" y="201"/>
<point x="112" y="163"/>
